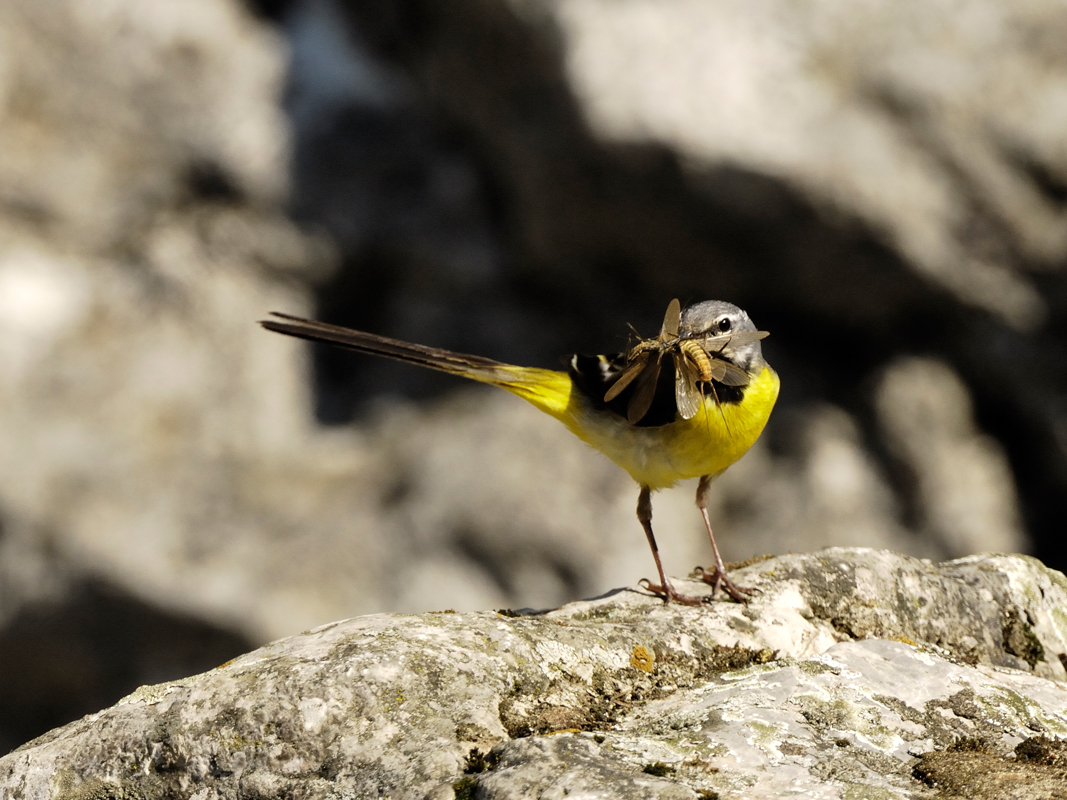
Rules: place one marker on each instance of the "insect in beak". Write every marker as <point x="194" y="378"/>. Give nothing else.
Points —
<point x="698" y="360"/>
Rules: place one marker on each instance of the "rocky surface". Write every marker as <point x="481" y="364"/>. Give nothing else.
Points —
<point x="854" y="673"/>
<point x="899" y="112"/>
<point x="143" y="168"/>
<point x="880" y="185"/>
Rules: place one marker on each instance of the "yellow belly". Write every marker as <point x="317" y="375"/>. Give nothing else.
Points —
<point x="705" y="445"/>
<point x="661" y="456"/>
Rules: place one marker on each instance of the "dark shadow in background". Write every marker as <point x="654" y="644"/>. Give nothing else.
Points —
<point x="483" y="150"/>
<point x="488" y="219"/>
<point x="62" y="660"/>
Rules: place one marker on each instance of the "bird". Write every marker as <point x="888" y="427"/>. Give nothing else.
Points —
<point x="684" y="404"/>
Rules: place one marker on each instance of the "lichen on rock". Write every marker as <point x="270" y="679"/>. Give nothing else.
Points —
<point x="841" y="683"/>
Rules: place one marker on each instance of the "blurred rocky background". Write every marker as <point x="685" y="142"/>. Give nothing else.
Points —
<point x="882" y="186"/>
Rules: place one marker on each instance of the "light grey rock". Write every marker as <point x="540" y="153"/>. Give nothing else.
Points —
<point x="112" y="110"/>
<point x="903" y="113"/>
<point x="849" y="669"/>
<point x="155" y="441"/>
<point x="567" y="765"/>
<point x="143" y="160"/>
<point x="965" y="490"/>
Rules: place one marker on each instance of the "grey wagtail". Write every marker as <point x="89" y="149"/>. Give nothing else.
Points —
<point x="685" y="404"/>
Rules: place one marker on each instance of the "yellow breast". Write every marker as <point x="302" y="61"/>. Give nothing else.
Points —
<point x="661" y="456"/>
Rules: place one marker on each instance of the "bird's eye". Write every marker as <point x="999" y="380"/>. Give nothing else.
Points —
<point x="724" y="325"/>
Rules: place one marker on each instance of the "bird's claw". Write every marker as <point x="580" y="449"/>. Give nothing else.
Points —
<point x="668" y="593"/>
<point x="720" y="580"/>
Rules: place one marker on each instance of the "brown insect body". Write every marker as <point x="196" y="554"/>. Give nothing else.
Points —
<point x="698" y="356"/>
<point x="697" y="360"/>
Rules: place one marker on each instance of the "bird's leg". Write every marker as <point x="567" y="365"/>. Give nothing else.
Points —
<point x="718" y="579"/>
<point x="664" y="589"/>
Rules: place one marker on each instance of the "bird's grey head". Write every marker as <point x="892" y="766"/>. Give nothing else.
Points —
<point x="717" y="318"/>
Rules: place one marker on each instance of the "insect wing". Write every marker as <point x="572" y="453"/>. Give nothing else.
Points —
<point x="727" y="373"/>
<point x="686" y="393"/>
<point x="627" y="377"/>
<point x="672" y="319"/>
<point x="643" y="394"/>
<point x="716" y="344"/>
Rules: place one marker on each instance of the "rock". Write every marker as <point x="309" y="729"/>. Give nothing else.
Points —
<point x="964" y="494"/>
<point x="143" y="171"/>
<point x="854" y="671"/>
<point x="870" y="110"/>
<point x="485" y="186"/>
<point x="73" y="656"/>
<point x="116" y="112"/>
<point x="793" y="157"/>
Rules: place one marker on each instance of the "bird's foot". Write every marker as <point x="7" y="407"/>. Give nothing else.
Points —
<point x="668" y="593"/>
<point x="718" y="579"/>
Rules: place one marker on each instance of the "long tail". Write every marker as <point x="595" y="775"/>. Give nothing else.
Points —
<point x="549" y="390"/>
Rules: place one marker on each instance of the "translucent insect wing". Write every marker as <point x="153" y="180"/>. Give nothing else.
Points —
<point x="672" y="319"/>
<point x="643" y="394"/>
<point x="627" y="377"/>
<point x="727" y="373"/>
<point x="716" y="344"/>
<point x="686" y="392"/>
